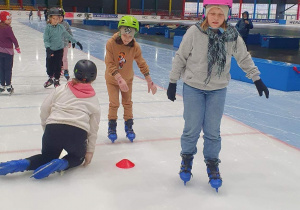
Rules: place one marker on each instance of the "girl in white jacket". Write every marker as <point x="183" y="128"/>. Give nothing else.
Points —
<point x="70" y="117"/>
<point x="203" y="63"/>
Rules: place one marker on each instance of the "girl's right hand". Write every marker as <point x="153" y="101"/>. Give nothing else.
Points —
<point x="122" y="83"/>
<point x="88" y="158"/>
<point x="18" y="50"/>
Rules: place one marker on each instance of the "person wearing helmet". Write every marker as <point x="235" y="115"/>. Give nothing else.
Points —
<point x="70" y="118"/>
<point x="203" y="62"/>
<point x="67" y="44"/>
<point x="244" y="25"/>
<point x="7" y="40"/>
<point x="54" y="45"/>
<point x="121" y="51"/>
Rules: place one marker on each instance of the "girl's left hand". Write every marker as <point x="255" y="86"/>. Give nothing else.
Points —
<point x="151" y="85"/>
<point x="18" y="50"/>
<point x="88" y="158"/>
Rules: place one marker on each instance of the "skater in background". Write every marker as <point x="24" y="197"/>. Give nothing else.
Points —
<point x="54" y="36"/>
<point x="70" y="118"/>
<point x="121" y="51"/>
<point x="39" y="14"/>
<point x="67" y="44"/>
<point x="243" y="26"/>
<point x="30" y="15"/>
<point x="46" y="14"/>
<point x="7" y="40"/>
<point x="203" y="62"/>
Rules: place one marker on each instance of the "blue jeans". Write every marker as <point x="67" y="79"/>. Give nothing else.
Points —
<point x="202" y="110"/>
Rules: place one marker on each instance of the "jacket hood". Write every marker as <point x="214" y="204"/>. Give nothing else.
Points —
<point x="82" y="90"/>
<point x="247" y="13"/>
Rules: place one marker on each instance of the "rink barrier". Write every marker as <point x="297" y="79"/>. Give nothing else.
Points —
<point x="156" y="30"/>
<point x="282" y="22"/>
<point x="280" y="42"/>
<point x="94" y="22"/>
<point x="113" y="25"/>
<point x="277" y="75"/>
<point x="254" y="39"/>
<point x="170" y="33"/>
<point x="69" y="21"/>
<point x="176" y="41"/>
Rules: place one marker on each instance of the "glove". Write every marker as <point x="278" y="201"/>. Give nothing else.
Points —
<point x="79" y="45"/>
<point x="171" y="92"/>
<point x="73" y="45"/>
<point x="151" y="85"/>
<point x="18" y="50"/>
<point x="261" y="87"/>
<point x="122" y="83"/>
<point x="49" y="52"/>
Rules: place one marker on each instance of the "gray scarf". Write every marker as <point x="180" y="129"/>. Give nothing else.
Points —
<point x="216" y="47"/>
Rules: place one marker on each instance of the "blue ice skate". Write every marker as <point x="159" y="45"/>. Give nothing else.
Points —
<point x="14" y="166"/>
<point x="112" y="130"/>
<point x="129" y="131"/>
<point x="213" y="173"/>
<point x="66" y="74"/>
<point x="45" y="170"/>
<point x="186" y="168"/>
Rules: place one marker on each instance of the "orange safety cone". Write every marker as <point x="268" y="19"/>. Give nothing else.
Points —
<point x="125" y="163"/>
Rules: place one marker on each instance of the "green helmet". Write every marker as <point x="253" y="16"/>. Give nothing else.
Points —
<point x="62" y="11"/>
<point x="129" y="21"/>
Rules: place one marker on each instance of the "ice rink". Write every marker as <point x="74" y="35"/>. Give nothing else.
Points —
<point x="260" y="170"/>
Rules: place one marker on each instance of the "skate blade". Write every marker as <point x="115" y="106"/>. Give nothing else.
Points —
<point x="11" y="92"/>
<point x="40" y="170"/>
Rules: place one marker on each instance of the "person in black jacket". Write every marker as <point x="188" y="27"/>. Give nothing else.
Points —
<point x="244" y="25"/>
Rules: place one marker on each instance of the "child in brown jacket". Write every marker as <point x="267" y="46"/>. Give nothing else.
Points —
<point x="121" y="50"/>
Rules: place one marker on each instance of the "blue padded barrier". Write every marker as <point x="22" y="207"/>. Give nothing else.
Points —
<point x="69" y="21"/>
<point x="253" y="39"/>
<point x="94" y="22"/>
<point x="153" y="30"/>
<point x="176" y="32"/>
<point x="177" y="40"/>
<point x="282" y="22"/>
<point x="280" y="42"/>
<point x="113" y="25"/>
<point x="276" y="75"/>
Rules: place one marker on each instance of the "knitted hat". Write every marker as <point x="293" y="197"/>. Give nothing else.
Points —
<point x="224" y="8"/>
<point x="5" y="16"/>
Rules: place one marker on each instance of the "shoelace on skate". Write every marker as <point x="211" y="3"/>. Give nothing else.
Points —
<point x="213" y="172"/>
<point x="186" y="166"/>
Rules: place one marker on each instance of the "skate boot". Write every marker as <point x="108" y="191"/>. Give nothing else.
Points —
<point x="128" y="129"/>
<point x="112" y="130"/>
<point x="49" y="82"/>
<point x="2" y="88"/>
<point x="10" y="89"/>
<point x="14" y="166"/>
<point x="213" y="173"/>
<point x="186" y="168"/>
<point x="66" y="74"/>
<point x="56" y="83"/>
<point x="45" y="170"/>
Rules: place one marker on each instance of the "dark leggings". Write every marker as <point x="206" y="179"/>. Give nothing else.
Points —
<point x="56" y="138"/>
<point x="54" y="63"/>
<point x="6" y="64"/>
<point x="245" y="38"/>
